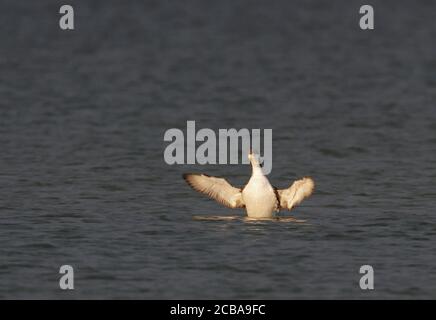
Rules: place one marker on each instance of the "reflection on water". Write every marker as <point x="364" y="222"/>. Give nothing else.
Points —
<point x="247" y="219"/>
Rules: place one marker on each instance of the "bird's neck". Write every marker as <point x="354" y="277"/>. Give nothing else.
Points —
<point x="257" y="170"/>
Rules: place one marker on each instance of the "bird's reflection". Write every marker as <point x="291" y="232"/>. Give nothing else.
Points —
<point x="247" y="219"/>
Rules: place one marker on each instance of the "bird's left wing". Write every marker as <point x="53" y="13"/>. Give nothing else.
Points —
<point x="296" y="193"/>
<point x="216" y="188"/>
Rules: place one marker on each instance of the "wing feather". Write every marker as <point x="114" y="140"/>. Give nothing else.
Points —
<point x="216" y="188"/>
<point x="296" y="193"/>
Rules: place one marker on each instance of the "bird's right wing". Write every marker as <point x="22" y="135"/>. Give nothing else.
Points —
<point x="296" y="193"/>
<point x="216" y="188"/>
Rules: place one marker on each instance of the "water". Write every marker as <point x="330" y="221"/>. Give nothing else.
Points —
<point x="83" y="180"/>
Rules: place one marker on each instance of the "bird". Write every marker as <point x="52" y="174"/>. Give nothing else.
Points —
<point x="260" y="199"/>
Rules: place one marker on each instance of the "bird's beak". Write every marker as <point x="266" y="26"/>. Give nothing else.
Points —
<point x="250" y="155"/>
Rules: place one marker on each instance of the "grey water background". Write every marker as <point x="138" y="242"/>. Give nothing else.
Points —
<point x="82" y="175"/>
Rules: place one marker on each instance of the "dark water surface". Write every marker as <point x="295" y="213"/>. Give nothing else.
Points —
<point x="82" y="175"/>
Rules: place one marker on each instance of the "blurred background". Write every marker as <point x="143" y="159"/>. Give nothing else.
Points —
<point x="83" y="180"/>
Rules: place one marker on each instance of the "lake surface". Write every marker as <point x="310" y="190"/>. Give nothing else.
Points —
<point x="83" y="180"/>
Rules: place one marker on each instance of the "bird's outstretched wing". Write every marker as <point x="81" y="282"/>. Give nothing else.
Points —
<point x="297" y="192"/>
<point x="216" y="188"/>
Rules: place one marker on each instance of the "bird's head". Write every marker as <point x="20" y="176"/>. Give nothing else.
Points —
<point x="254" y="159"/>
<point x="250" y="155"/>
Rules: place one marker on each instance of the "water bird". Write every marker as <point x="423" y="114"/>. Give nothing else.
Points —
<point x="259" y="198"/>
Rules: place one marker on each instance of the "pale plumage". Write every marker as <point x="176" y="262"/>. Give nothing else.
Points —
<point x="216" y="188"/>
<point x="258" y="197"/>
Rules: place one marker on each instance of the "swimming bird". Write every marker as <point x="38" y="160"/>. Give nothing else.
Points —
<point x="259" y="198"/>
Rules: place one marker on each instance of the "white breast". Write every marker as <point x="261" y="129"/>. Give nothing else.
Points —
<point x="259" y="197"/>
